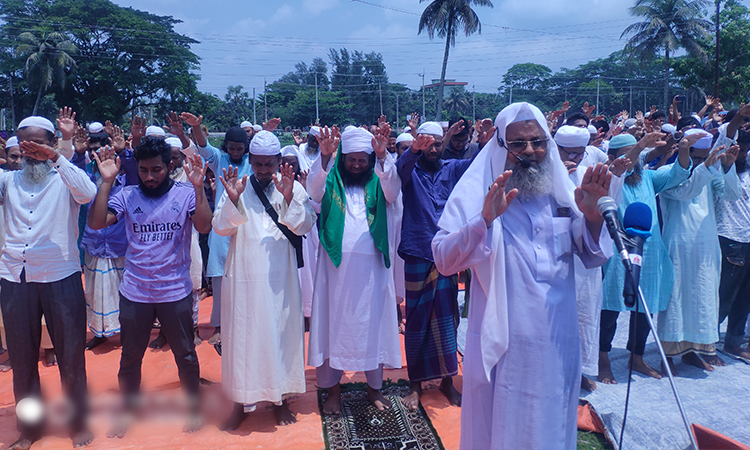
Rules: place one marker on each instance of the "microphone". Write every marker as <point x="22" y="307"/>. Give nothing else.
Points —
<point x="637" y="223"/>
<point x="607" y="207"/>
<point x="525" y="163"/>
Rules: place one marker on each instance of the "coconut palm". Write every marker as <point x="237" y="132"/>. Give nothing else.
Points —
<point x="48" y="56"/>
<point x="668" y="26"/>
<point x="445" y="18"/>
<point x="457" y="101"/>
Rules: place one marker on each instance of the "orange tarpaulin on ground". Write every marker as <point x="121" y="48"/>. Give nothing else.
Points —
<point x="708" y="439"/>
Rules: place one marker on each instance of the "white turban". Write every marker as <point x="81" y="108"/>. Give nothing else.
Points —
<point x="489" y="309"/>
<point x="38" y="122"/>
<point x="669" y="128"/>
<point x="12" y="142"/>
<point x="315" y="131"/>
<point x="570" y="136"/>
<point x="174" y="142"/>
<point x="433" y="128"/>
<point x="257" y="128"/>
<point x="704" y="142"/>
<point x="246" y="124"/>
<point x="349" y="127"/>
<point x="155" y="131"/>
<point x="356" y="140"/>
<point x="265" y="143"/>
<point x="292" y="150"/>
<point x="592" y="129"/>
<point x="96" y="127"/>
<point x="404" y="137"/>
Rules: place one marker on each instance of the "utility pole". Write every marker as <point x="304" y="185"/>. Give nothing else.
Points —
<point x="397" y="118"/>
<point x="510" y="102"/>
<point x="422" y="75"/>
<point x="380" y="90"/>
<point x="597" y="95"/>
<point x="12" y="104"/>
<point x="473" y="104"/>
<point x="265" y="105"/>
<point x="644" y="102"/>
<point x="716" y="63"/>
<point x="255" y="120"/>
<point x="317" y="112"/>
<point x="631" y="99"/>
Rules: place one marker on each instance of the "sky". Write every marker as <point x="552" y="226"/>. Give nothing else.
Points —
<point x="247" y="42"/>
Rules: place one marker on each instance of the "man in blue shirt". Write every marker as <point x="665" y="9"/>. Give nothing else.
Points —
<point x="431" y="299"/>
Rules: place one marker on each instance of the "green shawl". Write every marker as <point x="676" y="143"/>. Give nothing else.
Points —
<point x="333" y="212"/>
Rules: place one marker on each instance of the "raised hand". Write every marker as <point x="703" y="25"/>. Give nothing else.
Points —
<point x="655" y="139"/>
<point x="619" y="166"/>
<point x="117" y="139"/>
<point x="284" y="182"/>
<point x="455" y="129"/>
<point x="565" y="107"/>
<point x="595" y="185"/>
<point x="191" y="120"/>
<point x="744" y="110"/>
<point x="66" y="123"/>
<point x="689" y="140"/>
<point x="380" y="140"/>
<point x="39" y="152"/>
<point x="329" y="141"/>
<point x="109" y="128"/>
<point x="485" y="135"/>
<point x="496" y="202"/>
<point x="588" y="110"/>
<point x="423" y="142"/>
<point x="137" y="127"/>
<point x="297" y="136"/>
<point x="232" y="184"/>
<point x="196" y="171"/>
<point x="107" y="163"/>
<point x="381" y="120"/>
<point x="414" y="123"/>
<point x="571" y="166"/>
<point x="652" y="110"/>
<point x="710" y="100"/>
<point x="714" y="156"/>
<point x="81" y="140"/>
<point x="174" y="124"/>
<point x="729" y="157"/>
<point x="639" y="115"/>
<point x="272" y="124"/>
<point x="302" y="177"/>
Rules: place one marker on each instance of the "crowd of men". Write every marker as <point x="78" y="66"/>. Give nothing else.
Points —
<point x="334" y="234"/>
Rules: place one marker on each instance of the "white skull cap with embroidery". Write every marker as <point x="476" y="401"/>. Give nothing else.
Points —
<point x="37" y="121"/>
<point x="432" y="128"/>
<point x="265" y="143"/>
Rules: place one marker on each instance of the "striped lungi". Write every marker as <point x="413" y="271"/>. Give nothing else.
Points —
<point x="431" y="321"/>
<point x="103" y="276"/>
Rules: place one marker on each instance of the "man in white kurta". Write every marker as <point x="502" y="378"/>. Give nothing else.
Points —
<point x="687" y="327"/>
<point x="522" y="362"/>
<point x="262" y="322"/>
<point x="354" y="324"/>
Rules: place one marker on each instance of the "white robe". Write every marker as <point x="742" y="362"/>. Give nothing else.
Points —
<point x="262" y="329"/>
<point x="354" y="323"/>
<point x="692" y="241"/>
<point x="196" y="258"/>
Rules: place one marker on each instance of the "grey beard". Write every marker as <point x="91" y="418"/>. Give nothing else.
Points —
<point x="532" y="182"/>
<point x="177" y="173"/>
<point x="35" y="173"/>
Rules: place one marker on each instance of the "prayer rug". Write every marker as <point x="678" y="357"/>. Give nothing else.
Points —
<point x="361" y="426"/>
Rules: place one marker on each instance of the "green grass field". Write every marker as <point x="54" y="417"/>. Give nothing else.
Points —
<point x="592" y="441"/>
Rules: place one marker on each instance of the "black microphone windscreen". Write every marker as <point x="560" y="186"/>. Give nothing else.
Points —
<point x="525" y="163"/>
<point x="637" y="216"/>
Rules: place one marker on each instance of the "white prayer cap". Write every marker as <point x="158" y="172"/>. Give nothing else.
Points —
<point x="629" y="123"/>
<point x="257" y="128"/>
<point x="669" y="128"/>
<point x="174" y="142"/>
<point x="265" y="143"/>
<point x="404" y="137"/>
<point x="96" y="127"/>
<point x="592" y="129"/>
<point x="37" y="121"/>
<point x="407" y="129"/>
<point x="246" y="124"/>
<point x="155" y="131"/>
<point x="292" y="150"/>
<point x="315" y="131"/>
<point x="433" y="128"/>
<point x="356" y="140"/>
<point x="570" y="136"/>
<point x="697" y="117"/>
<point x="704" y="142"/>
<point x="12" y="142"/>
<point x="349" y="127"/>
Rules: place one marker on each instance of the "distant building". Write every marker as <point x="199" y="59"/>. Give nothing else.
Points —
<point x="447" y="86"/>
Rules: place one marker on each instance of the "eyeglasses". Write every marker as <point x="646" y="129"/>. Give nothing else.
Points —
<point x="571" y="155"/>
<point x="519" y="146"/>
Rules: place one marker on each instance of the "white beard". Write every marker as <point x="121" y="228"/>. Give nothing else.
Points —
<point x="532" y="182"/>
<point x="35" y="173"/>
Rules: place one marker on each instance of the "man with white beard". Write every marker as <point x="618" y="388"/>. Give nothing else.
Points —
<point x="41" y="274"/>
<point x="522" y="364"/>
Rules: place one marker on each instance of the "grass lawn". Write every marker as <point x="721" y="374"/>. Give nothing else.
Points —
<point x="592" y="441"/>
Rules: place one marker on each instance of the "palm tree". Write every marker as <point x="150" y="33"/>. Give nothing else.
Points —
<point x="668" y="26"/>
<point x="445" y="18"/>
<point x="50" y="54"/>
<point x="457" y="101"/>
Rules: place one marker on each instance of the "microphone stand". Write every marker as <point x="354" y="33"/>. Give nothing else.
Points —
<point x="642" y="302"/>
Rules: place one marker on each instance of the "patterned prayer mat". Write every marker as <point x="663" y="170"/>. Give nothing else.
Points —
<point x="362" y="427"/>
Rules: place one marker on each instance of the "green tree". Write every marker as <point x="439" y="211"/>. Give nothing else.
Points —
<point x="458" y="101"/>
<point x="48" y="57"/>
<point x="445" y="18"/>
<point x="363" y="79"/>
<point x="668" y="25"/>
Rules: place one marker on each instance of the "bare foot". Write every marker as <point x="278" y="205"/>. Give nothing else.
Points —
<point x="378" y="399"/>
<point x="193" y="424"/>
<point x="411" y="401"/>
<point x="95" y="342"/>
<point x="714" y="360"/>
<point x="196" y="337"/>
<point x="588" y="385"/>
<point x="694" y="360"/>
<point x="283" y="415"/>
<point x="216" y="337"/>
<point x="332" y="406"/>
<point x="23" y="443"/>
<point x="639" y="365"/>
<point x="450" y="392"/>
<point x="50" y="357"/>
<point x="235" y="419"/>
<point x="738" y="351"/>
<point x="122" y="423"/>
<point x="159" y="342"/>
<point x="5" y="366"/>
<point x="605" y="370"/>
<point x="672" y="368"/>
<point x="82" y="438"/>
